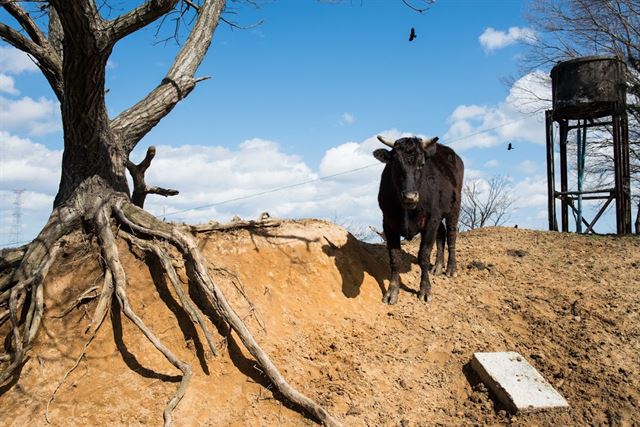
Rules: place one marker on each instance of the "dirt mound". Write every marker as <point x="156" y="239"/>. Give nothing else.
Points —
<point x="311" y="293"/>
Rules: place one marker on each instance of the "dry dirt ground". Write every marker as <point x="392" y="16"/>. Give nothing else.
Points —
<point x="312" y="294"/>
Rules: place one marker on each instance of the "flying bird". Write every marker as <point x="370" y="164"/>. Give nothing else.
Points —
<point x="412" y="35"/>
<point x="510" y="147"/>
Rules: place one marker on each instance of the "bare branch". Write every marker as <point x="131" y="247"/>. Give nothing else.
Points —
<point x="48" y="62"/>
<point x="56" y="33"/>
<point x="492" y="206"/>
<point x="25" y="21"/>
<point x="82" y="23"/>
<point x="131" y="125"/>
<point x="139" y="17"/>
<point x="140" y="188"/>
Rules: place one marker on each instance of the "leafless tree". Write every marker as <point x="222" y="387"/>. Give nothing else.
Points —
<point x="486" y="203"/>
<point x="573" y="28"/>
<point x="71" y="41"/>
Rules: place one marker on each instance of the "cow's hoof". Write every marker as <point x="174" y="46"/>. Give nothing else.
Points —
<point x="437" y="269"/>
<point x="424" y="296"/>
<point x="452" y="273"/>
<point x="391" y="296"/>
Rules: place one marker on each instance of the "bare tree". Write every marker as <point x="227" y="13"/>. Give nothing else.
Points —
<point x="71" y="41"/>
<point x="573" y="28"/>
<point x="486" y="203"/>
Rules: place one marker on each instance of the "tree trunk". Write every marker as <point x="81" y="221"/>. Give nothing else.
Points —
<point x="91" y="160"/>
<point x="93" y="187"/>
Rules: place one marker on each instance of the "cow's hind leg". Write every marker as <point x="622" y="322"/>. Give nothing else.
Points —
<point x="452" y="234"/>
<point x="426" y="246"/>
<point x="393" y="246"/>
<point x="438" y="267"/>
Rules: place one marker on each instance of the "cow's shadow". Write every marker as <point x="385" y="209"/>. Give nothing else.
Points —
<point x="355" y="258"/>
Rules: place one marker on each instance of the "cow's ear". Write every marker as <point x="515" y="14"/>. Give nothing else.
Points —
<point x="383" y="155"/>
<point x="429" y="146"/>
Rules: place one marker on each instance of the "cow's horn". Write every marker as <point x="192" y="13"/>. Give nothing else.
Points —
<point x="427" y="142"/>
<point x="386" y="141"/>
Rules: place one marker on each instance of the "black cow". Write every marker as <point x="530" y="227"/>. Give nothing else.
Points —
<point x="420" y="186"/>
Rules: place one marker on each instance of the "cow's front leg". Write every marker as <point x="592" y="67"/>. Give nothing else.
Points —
<point x="426" y="245"/>
<point x="438" y="268"/>
<point x="393" y="246"/>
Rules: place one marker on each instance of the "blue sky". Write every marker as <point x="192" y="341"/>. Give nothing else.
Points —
<point x="298" y="98"/>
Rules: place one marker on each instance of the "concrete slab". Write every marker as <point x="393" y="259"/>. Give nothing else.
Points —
<point x="517" y="384"/>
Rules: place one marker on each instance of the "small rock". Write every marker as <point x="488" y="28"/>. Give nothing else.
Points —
<point x="354" y="410"/>
<point x="577" y="318"/>
<point x="519" y="253"/>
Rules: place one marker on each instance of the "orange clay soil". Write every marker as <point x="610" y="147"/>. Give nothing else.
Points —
<point x="569" y="304"/>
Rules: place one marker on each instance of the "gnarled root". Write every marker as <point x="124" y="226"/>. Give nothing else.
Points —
<point x="142" y="222"/>
<point x="112" y="260"/>
<point x="26" y="284"/>
<point x="22" y="298"/>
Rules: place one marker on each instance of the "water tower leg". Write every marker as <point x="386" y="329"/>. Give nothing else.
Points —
<point x="551" y="174"/>
<point x="626" y="175"/>
<point x="623" y="221"/>
<point x="564" y="205"/>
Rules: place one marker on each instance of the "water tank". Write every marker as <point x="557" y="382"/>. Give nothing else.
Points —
<point x="588" y="87"/>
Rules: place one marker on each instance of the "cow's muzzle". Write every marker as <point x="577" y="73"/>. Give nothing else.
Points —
<point x="410" y="199"/>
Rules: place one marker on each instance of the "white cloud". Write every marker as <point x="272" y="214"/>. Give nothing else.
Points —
<point x="347" y="119"/>
<point x="491" y="163"/>
<point x="520" y="117"/>
<point x="7" y="84"/>
<point x="37" y="117"/>
<point x="28" y="165"/>
<point x="31" y="167"/>
<point x="527" y="166"/>
<point x="531" y="192"/>
<point x="464" y="112"/>
<point x="222" y="182"/>
<point x="492" y="39"/>
<point x="14" y="61"/>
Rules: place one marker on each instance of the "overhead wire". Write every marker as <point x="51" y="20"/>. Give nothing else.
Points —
<point x="326" y="177"/>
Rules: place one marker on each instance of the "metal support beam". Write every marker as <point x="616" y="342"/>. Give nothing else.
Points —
<point x="551" y="174"/>
<point x="564" y="208"/>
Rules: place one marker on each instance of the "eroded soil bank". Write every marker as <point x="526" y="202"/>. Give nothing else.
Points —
<point x="311" y="293"/>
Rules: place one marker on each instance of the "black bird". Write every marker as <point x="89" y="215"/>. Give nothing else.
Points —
<point x="510" y="147"/>
<point x="412" y="35"/>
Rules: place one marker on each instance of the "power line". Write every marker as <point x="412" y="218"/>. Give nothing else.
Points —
<point x="322" y="178"/>
<point x="273" y="190"/>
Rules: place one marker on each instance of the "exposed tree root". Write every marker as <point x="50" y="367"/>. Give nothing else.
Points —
<point x="26" y="284"/>
<point x="237" y="283"/>
<point x="165" y="261"/>
<point x="66" y="375"/>
<point x="112" y="260"/>
<point x="142" y="222"/>
<point x="263" y="222"/>
<point x="11" y="257"/>
<point x="86" y="295"/>
<point x="22" y="301"/>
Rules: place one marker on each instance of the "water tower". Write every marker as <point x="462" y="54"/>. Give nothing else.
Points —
<point x="589" y="94"/>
